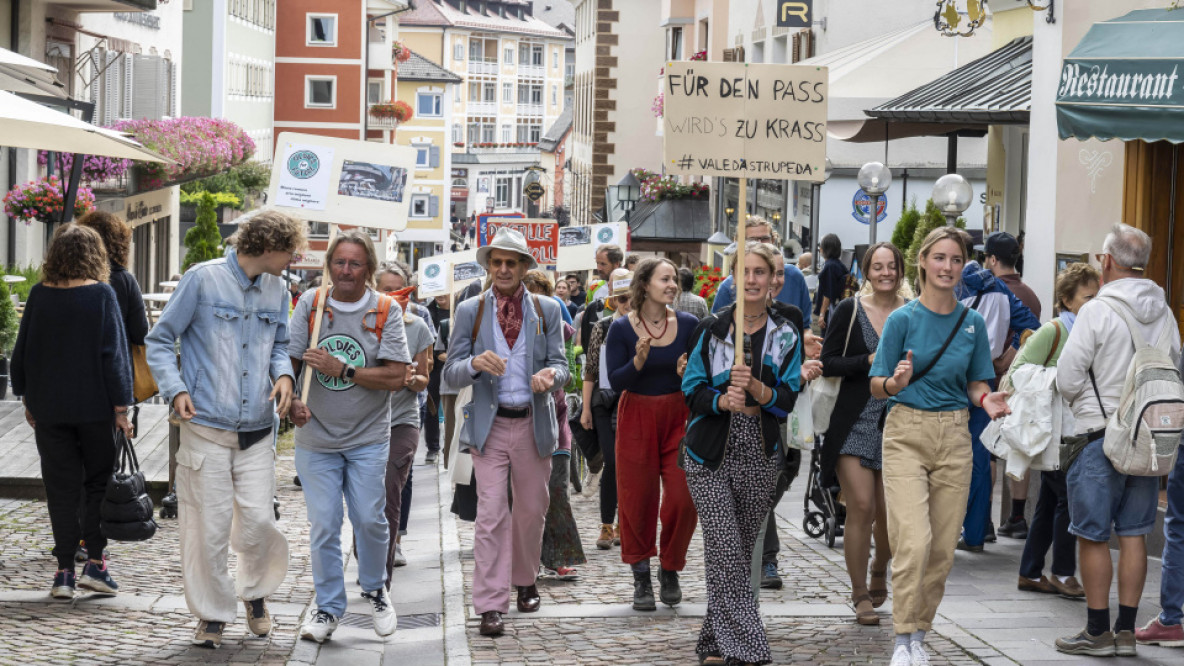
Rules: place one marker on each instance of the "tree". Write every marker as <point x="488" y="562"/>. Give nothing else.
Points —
<point x="8" y="321"/>
<point x="932" y="219"/>
<point x="906" y="226"/>
<point x="203" y="241"/>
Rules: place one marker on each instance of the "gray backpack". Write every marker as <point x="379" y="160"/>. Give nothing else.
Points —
<point x="1143" y="434"/>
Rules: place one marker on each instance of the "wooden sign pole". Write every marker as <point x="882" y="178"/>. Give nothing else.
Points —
<point x="738" y="274"/>
<point x="326" y="283"/>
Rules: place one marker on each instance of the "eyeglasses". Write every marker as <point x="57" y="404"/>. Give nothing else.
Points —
<point x="1099" y="255"/>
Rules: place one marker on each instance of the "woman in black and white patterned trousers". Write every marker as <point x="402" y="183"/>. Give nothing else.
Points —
<point x="733" y="449"/>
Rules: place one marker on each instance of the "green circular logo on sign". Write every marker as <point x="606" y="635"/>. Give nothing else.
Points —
<point x="604" y="235"/>
<point x="304" y="164"/>
<point x="432" y="271"/>
<point x="348" y="351"/>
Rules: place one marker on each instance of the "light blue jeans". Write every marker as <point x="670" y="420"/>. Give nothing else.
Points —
<point x="359" y="475"/>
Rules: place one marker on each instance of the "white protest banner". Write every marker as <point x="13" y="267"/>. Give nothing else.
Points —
<point x="456" y="269"/>
<point x="610" y="233"/>
<point x="737" y="120"/>
<point x="343" y="181"/>
<point x="578" y="245"/>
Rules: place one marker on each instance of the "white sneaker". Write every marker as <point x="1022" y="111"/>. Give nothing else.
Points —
<point x="320" y="628"/>
<point x="400" y="560"/>
<point x="385" y="620"/>
<point x="920" y="655"/>
<point x="901" y="656"/>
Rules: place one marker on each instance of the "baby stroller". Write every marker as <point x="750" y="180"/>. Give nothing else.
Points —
<point x="824" y="516"/>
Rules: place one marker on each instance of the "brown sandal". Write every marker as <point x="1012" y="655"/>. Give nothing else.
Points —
<point x="879" y="592"/>
<point x="865" y="614"/>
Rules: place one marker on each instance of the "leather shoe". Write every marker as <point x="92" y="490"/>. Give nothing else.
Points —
<point x="528" y="598"/>
<point x="1070" y="589"/>
<point x="491" y="623"/>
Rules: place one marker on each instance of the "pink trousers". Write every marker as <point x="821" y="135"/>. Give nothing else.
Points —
<point x="507" y="544"/>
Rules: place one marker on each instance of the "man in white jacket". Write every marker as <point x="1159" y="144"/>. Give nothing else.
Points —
<point x="1099" y="497"/>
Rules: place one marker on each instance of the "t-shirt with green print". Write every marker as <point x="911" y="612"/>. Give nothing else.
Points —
<point x="405" y="402"/>
<point x="344" y="414"/>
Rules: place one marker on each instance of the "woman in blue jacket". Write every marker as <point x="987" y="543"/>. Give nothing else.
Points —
<point x="733" y="445"/>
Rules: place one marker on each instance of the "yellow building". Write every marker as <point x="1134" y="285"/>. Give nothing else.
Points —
<point x="429" y="89"/>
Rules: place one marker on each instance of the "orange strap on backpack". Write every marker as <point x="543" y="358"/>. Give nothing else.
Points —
<point x="381" y="313"/>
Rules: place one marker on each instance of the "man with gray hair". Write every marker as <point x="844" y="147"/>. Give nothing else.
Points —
<point x="1091" y="373"/>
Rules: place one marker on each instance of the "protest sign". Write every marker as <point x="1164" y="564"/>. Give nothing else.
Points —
<point x="578" y="245"/>
<point x="542" y="236"/>
<point x="444" y="273"/>
<point x="343" y="181"/>
<point x="737" y="120"/>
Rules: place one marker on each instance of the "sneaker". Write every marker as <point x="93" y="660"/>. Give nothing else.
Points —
<point x="1070" y="589"/>
<point x="990" y="534"/>
<point x="385" y="620"/>
<point x="430" y="458"/>
<point x="1158" y="633"/>
<point x="1124" y="643"/>
<point x="962" y="545"/>
<point x="96" y="578"/>
<point x="770" y="579"/>
<point x="320" y="628"/>
<point x="901" y="656"/>
<point x="605" y="540"/>
<point x="258" y="619"/>
<point x="63" y="584"/>
<point x="1088" y="644"/>
<point x="208" y="634"/>
<point x="919" y="654"/>
<point x="1015" y="528"/>
<point x="617" y="534"/>
<point x="400" y="559"/>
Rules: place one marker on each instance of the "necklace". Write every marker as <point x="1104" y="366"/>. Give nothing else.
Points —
<point x="658" y="336"/>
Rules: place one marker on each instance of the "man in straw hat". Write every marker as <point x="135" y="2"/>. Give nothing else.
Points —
<point x="508" y="345"/>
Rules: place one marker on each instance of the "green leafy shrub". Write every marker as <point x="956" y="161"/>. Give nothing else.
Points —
<point x="32" y="275"/>
<point x="906" y="227"/>
<point x="220" y="199"/>
<point x="9" y="323"/>
<point x="932" y="219"/>
<point x="203" y="241"/>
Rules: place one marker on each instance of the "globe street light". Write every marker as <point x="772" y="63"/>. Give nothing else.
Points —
<point x="875" y="179"/>
<point x="952" y="194"/>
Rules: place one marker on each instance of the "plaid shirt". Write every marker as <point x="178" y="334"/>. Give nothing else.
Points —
<point x="691" y="304"/>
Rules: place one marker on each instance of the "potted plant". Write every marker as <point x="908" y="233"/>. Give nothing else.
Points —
<point x="400" y="52"/>
<point x="43" y="200"/>
<point x="8" y="329"/>
<point x="400" y="111"/>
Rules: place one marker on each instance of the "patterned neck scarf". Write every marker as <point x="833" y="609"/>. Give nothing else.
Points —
<point x="509" y="313"/>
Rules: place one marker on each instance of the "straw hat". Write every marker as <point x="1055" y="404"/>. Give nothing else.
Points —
<point x="507" y="239"/>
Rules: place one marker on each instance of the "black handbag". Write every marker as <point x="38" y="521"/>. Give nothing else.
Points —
<point x="125" y="513"/>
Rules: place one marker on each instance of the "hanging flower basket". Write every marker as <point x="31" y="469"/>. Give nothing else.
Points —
<point x="400" y="52"/>
<point x="95" y="168"/>
<point x="43" y="200"/>
<point x="400" y="111"/>
<point x="199" y="147"/>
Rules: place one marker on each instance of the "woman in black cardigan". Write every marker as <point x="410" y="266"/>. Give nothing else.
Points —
<point x="852" y="444"/>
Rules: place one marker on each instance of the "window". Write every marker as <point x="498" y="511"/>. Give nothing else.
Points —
<point x="505" y="134"/>
<point x="507" y="93"/>
<point x="555" y="59"/>
<point x="458" y="135"/>
<point x="320" y="92"/>
<point x="487" y="133"/>
<point x="536" y="55"/>
<point x="554" y="95"/>
<point x="501" y="191"/>
<point x="474" y="91"/>
<point x="321" y="30"/>
<point x="536" y="132"/>
<point x="509" y="58"/>
<point x="458" y="52"/>
<point x="428" y="105"/>
<point x="420" y="205"/>
<point x="491" y="92"/>
<point x="474" y="132"/>
<point x="476" y="50"/>
<point x="423" y="156"/>
<point x="536" y="95"/>
<point x="524" y="54"/>
<point x="374" y="91"/>
<point x="674" y="44"/>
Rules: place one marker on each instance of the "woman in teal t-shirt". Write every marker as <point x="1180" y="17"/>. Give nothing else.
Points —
<point x="927" y="455"/>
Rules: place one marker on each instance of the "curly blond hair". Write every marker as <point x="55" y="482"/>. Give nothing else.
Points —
<point x="1071" y="278"/>
<point x="76" y="253"/>
<point x="269" y="231"/>
<point x="537" y="282"/>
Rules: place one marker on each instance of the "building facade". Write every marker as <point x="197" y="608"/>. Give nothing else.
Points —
<point x="512" y="70"/>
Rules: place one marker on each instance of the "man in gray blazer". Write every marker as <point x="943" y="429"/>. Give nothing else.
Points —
<point x="508" y="345"/>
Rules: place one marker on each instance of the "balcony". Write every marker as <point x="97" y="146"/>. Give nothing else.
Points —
<point x="531" y="71"/>
<point x="383" y="122"/>
<point x="380" y="56"/>
<point x="107" y="5"/>
<point x="487" y="67"/>
<point x="491" y="147"/>
<point x="481" y="108"/>
<point x="530" y="110"/>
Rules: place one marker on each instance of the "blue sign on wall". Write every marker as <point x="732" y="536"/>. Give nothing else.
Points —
<point x="861" y="204"/>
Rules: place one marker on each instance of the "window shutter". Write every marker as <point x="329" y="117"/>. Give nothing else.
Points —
<point x="796" y="52"/>
<point x="729" y="55"/>
<point x="808" y="36"/>
<point x="739" y="54"/>
<point x="434" y="206"/>
<point x="129" y="74"/>
<point x="435" y="156"/>
<point x="174" y="105"/>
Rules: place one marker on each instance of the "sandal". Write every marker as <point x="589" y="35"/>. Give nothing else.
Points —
<point x="865" y="614"/>
<point x="711" y="658"/>
<point x="879" y="588"/>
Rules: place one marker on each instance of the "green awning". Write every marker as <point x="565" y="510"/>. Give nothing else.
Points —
<point x="1125" y="80"/>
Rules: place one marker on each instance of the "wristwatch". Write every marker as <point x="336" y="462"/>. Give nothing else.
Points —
<point x="350" y="371"/>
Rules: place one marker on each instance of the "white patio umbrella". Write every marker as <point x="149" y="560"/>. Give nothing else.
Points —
<point x="26" y="124"/>
<point x="22" y="74"/>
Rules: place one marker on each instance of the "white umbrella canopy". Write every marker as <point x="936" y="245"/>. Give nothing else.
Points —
<point x="26" y="124"/>
<point x="18" y="61"/>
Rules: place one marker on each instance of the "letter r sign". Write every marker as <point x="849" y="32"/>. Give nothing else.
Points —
<point x="795" y="13"/>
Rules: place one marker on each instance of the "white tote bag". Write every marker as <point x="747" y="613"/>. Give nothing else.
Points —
<point x="462" y="463"/>
<point x="800" y="425"/>
<point x="826" y="389"/>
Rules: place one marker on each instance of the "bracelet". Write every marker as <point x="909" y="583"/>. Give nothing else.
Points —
<point x="884" y="387"/>
<point x="981" y="399"/>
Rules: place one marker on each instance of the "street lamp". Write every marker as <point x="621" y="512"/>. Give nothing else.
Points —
<point x="628" y="193"/>
<point x="875" y="179"/>
<point x="815" y="202"/>
<point x="952" y="194"/>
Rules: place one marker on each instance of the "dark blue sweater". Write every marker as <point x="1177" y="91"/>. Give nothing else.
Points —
<point x="71" y="360"/>
<point x="659" y="375"/>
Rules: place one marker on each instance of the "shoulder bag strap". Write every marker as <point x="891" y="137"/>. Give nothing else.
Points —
<point x="1055" y="343"/>
<point x="850" y="325"/>
<point x="1096" y="394"/>
<point x="945" y="345"/>
<point x="480" y="315"/>
<point x="538" y="309"/>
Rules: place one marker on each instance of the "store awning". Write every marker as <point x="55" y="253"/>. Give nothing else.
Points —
<point x="993" y="90"/>
<point x="1125" y="80"/>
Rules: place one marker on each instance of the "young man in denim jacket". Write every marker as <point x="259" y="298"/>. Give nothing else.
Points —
<point x="231" y="315"/>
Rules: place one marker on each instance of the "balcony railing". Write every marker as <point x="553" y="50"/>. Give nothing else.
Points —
<point x="533" y="71"/>
<point x="483" y="67"/>
<point x="482" y="108"/>
<point x="533" y="110"/>
<point x="381" y="122"/>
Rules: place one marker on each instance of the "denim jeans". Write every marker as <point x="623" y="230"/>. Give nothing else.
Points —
<point x="1102" y="501"/>
<point x="978" y="506"/>
<point x="359" y="475"/>
<point x="1050" y="527"/>
<point x="1171" y="586"/>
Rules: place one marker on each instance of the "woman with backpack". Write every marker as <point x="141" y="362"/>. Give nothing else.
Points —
<point x="1076" y="285"/>
<point x="853" y="443"/>
<point x="733" y="449"/>
<point x="933" y="357"/>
